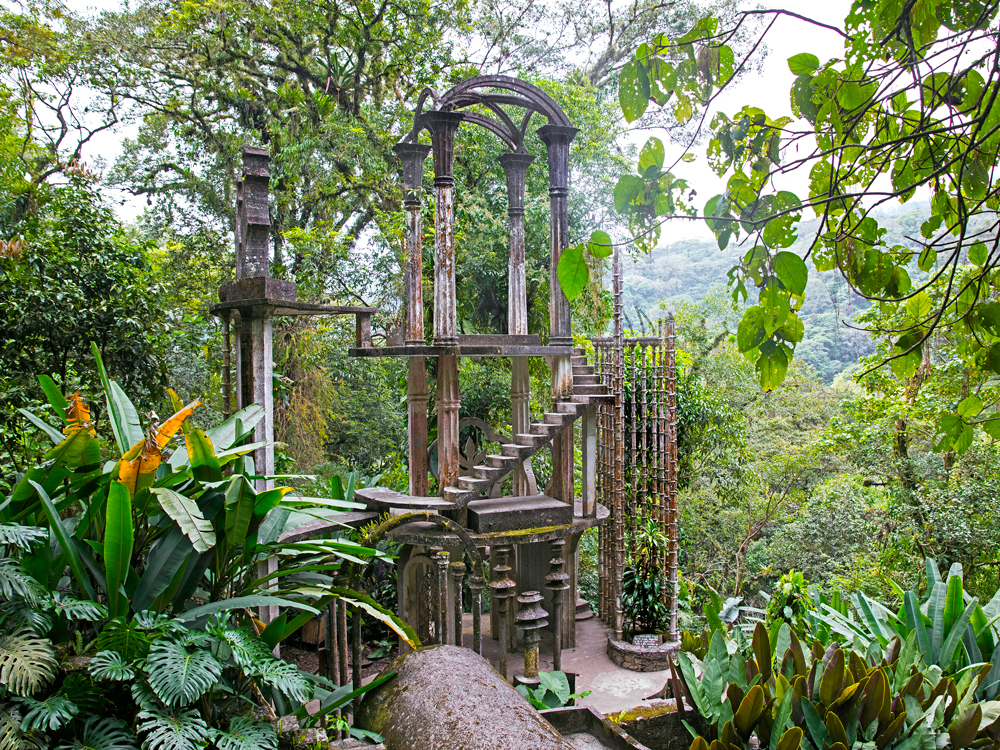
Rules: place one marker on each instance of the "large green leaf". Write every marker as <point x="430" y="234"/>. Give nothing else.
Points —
<point x="243" y="602"/>
<point x="633" y="90"/>
<point x="54" y="435"/>
<point x="573" y="271"/>
<point x="651" y="158"/>
<point x="188" y="516"/>
<point x="201" y="453"/>
<point x="772" y="365"/>
<point x="935" y="610"/>
<point x="950" y="646"/>
<point x="27" y="662"/>
<point x="180" y="674"/>
<point x="240" y="501"/>
<point x="68" y="549"/>
<point x="802" y="63"/>
<point x="166" y="558"/>
<point x="791" y="271"/>
<point x="119" y="538"/>
<point x="223" y="436"/>
<point x="915" y="621"/>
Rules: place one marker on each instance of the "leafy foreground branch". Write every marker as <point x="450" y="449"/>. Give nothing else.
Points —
<point x="911" y="111"/>
<point x="127" y="587"/>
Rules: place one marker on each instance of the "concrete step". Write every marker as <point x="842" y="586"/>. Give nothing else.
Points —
<point x="456" y="495"/>
<point x="579" y="380"/>
<point x="473" y="484"/>
<point x="589" y="390"/>
<point x="560" y="418"/>
<point x="515" y="450"/>
<point x="529" y="439"/>
<point x="545" y="430"/>
<point x="583" y="610"/>
<point x="570" y="407"/>
<point x="489" y="472"/>
<point x="503" y="463"/>
<point x="578" y="359"/>
<point x="514" y="513"/>
<point x="584" y="615"/>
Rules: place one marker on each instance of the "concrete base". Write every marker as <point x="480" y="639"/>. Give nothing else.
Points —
<point x="642" y="658"/>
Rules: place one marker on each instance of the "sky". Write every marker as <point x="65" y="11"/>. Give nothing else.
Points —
<point x="767" y="90"/>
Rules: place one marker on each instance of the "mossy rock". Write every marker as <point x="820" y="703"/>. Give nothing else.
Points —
<point x="450" y="697"/>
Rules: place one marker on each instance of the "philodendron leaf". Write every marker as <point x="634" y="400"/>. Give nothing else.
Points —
<point x="573" y="272"/>
<point x="186" y="513"/>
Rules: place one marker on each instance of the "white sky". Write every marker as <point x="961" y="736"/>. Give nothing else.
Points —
<point x="768" y="90"/>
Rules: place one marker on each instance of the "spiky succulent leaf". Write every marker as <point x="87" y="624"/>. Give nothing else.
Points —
<point x="47" y="715"/>
<point x="102" y="733"/>
<point x="12" y="737"/>
<point x="179" y="673"/>
<point x="15" y="581"/>
<point x="21" y="536"/>
<point x="285" y="677"/>
<point x="110" y="665"/>
<point x="75" y="609"/>
<point x="173" y="730"/>
<point x="125" y="638"/>
<point x="27" y="662"/>
<point x="245" y="734"/>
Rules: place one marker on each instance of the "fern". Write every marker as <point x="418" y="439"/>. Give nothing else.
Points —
<point x="102" y="733"/>
<point x="127" y="639"/>
<point x="173" y="730"/>
<point x="285" y="677"/>
<point x="15" y="581"/>
<point x="75" y="609"/>
<point x="110" y="665"/>
<point x="246" y="734"/>
<point x="26" y="662"/>
<point x="179" y="675"/>
<point x="12" y="737"/>
<point x="50" y="714"/>
<point x="21" y="536"/>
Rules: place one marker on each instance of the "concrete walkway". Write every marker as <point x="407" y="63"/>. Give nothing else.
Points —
<point x="612" y="687"/>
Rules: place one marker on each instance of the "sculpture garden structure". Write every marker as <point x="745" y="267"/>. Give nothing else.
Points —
<point x="530" y="535"/>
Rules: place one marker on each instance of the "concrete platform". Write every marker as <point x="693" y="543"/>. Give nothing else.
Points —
<point x="499" y="514"/>
<point x="612" y="687"/>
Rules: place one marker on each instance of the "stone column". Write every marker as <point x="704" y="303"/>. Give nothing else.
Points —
<point x="557" y="140"/>
<point x="443" y="126"/>
<point x="515" y="167"/>
<point x="412" y="156"/>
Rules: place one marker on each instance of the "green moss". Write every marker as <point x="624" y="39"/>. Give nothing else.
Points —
<point x="642" y="712"/>
<point x="526" y="532"/>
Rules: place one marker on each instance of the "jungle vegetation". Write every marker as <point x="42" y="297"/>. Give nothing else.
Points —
<point x="839" y="351"/>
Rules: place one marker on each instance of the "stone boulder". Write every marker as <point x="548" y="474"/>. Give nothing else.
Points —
<point x="450" y="697"/>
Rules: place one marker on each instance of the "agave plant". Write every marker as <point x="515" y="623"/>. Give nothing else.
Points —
<point x="952" y="630"/>
<point x="835" y="700"/>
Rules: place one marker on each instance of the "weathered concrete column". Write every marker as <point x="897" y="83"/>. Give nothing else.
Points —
<point x="557" y="140"/>
<point x="412" y="156"/>
<point x="588" y="436"/>
<point x="531" y="618"/>
<point x="457" y="576"/>
<point x="503" y="587"/>
<point x="443" y="126"/>
<point x="555" y="582"/>
<point x="515" y="167"/>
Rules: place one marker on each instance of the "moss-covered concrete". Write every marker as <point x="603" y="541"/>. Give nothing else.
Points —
<point x="450" y="697"/>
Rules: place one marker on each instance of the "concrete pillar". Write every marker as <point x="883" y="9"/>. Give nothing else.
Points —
<point x="515" y="167"/>
<point x="412" y="156"/>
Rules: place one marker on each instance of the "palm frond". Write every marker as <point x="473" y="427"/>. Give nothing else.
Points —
<point x="12" y="737"/>
<point x="21" y="536"/>
<point x="246" y="734"/>
<point x="26" y="662"/>
<point x="76" y="609"/>
<point x="125" y="638"/>
<point x="178" y="674"/>
<point x="102" y="733"/>
<point x="110" y="665"/>
<point x="50" y="714"/>
<point x="173" y="730"/>
<point x="15" y="581"/>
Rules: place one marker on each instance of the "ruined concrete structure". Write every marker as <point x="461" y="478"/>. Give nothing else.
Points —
<point x="528" y="533"/>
